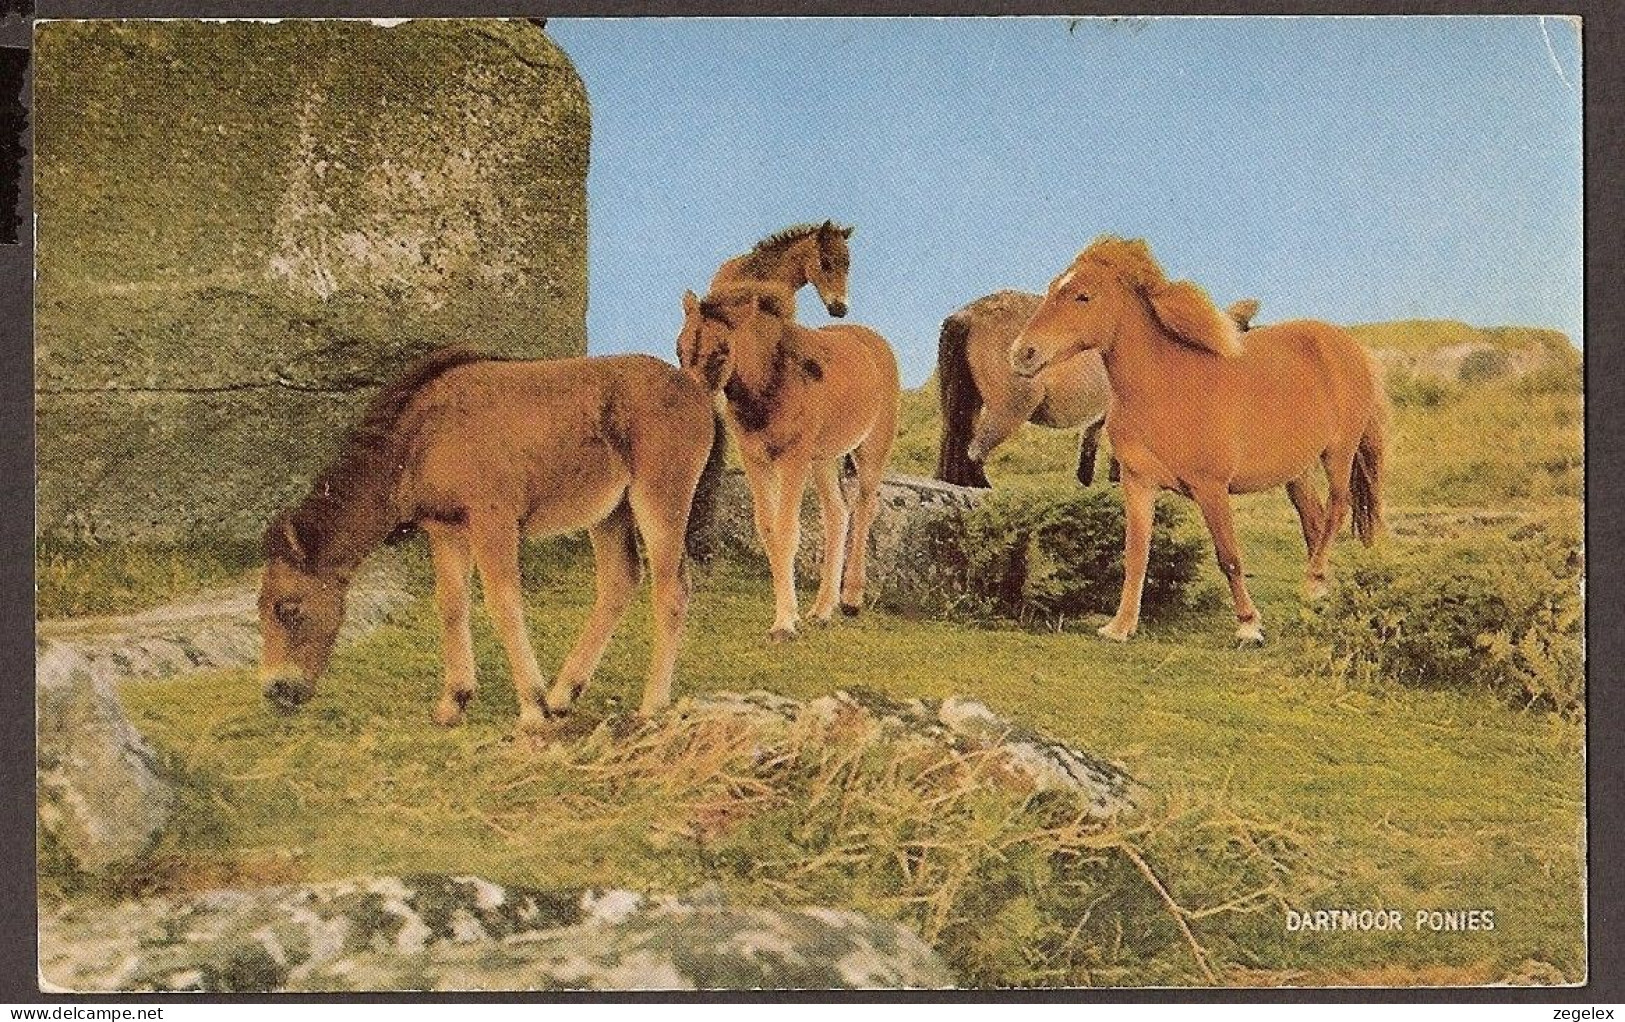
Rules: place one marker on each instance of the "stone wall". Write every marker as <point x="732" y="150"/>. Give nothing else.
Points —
<point x="245" y="227"/>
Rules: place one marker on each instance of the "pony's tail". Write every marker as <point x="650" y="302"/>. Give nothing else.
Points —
<point x="960" y="400"/>
<point x="700" y="539"/>
<point x="1365" y="481"/>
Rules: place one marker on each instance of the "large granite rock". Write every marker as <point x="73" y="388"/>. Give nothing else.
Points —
<point x="464" y="933"/>
<point x="102" y="797"/>
<point x="904" y="569"/>
<point x="245" y="227"/>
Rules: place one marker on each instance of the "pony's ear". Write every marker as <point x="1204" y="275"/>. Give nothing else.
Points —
<point x="688" y="338"/>
<point x="846" y="232"/>
<point x="284" y="542"/>
<point x="1186" y="312"/>
<point x="1243" y="312"/>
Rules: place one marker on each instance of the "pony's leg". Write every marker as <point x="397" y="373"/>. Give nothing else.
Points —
<point x="866" y="502"/>
<point x="1088" y="448"/>
<point x="789" y="481"/>
<point x="615" y="563"/>
<point x="835" y="517"/>
<point x="663" y="520"/>
<point x="1139" y="500"/>
<point x="452" y="565"/>
<point x="1338" y="464"/>
<point x="496" y="553"/>
<point x="1310" y="517"/>
<point x="1214" y="500"/>
<point x="759" y="477"/>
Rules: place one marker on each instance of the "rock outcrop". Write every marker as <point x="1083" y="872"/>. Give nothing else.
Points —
<point x="464" y="933"/>
<point x="245" y="227"/>
<point x="102" y="798"/>
<point x="902" y="566"/>
<point x="1022" y="756"/>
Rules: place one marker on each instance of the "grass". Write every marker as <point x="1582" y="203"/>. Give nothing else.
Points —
<point x="83" y="580"/>
<point x="1364" y="794"/>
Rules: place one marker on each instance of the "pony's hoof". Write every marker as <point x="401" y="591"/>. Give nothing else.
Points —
<point x="449" y="712"/>
<point x="781" y="634"/>
<point x="1316" y="589"/>
<point x="533" y="724"/>
<point x="560" y="699"/>
<point x="1250" y="633"/>
<point x="823" y="618"/>
<point x="1115" y="632"/>
<point x="850" y="609"/>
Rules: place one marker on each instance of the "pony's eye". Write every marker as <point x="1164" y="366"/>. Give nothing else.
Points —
<point x="289" y="612"/>
<point x="1081" y="297"/>
<point x="826" y="265"/>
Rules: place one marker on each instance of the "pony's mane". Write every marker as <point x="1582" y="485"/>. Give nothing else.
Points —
<point x="1130" y="259"/>
<point x="1183" y="308"/>
<point x="762" y="254"/>
<point x="779" y="240"/>
<point x="367" y="459"/>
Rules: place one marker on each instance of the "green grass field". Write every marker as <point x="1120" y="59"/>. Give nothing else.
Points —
<point x="1388" y="797"/>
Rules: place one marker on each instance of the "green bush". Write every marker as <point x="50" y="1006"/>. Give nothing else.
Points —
<point x="1483" y="364"/>
<point x="1052" y="554"/>
<point x="1496" y="613"/>
<point x="1558" y="376"/>
<point x="1407" y="389"/>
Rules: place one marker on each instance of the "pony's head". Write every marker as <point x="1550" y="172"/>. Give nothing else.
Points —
<point x="301" y="608"/>
<point x="1088" y="303"/>
<point x="729" y="319"/>
<point x="826" y="265"/>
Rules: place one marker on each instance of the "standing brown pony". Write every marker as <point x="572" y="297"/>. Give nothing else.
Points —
<point x="1195" y="410"/>
<point x="478" y="453"/>
<point x="815" y="254"/>
<point x="983" y="402"/>
<point x="799" y="401"/>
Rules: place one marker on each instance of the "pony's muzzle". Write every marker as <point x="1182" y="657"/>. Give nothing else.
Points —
<point x="287" y="688"/>
<point x="837" y="308"/>
<point x="1024" y="360"/>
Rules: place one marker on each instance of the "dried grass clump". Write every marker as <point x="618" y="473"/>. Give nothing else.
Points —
<point x="1014" y="884"/>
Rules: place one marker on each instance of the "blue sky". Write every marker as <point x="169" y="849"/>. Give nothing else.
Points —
<point x="1349" y="169"/>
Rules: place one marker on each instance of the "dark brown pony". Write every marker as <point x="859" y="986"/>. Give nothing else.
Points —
<point x="815" y="254"/>
<point x="798" y="402"/>
<point x="478" y="453"/>
<point x="983" y="402"/>
<point x="1197" y="411"/>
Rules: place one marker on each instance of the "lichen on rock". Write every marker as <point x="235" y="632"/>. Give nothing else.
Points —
<point x="466" y="933"/>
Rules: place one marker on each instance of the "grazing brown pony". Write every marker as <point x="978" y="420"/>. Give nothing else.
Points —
<point x="799" y="401"/>
<point x="1196" y="410"/>
<point x="974" y="376"/>
<point x="815" y="254"/>
<point x="477" y="453"/>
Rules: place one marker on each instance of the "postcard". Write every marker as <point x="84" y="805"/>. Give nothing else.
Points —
<point x="806" y="504"/>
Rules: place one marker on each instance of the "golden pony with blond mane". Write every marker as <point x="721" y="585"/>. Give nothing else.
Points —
<point x="799" y="401"/>
<point x="478" y="453"/>
<point x="1196" y="410"/>
<point x="983" y="402"/>
<point x="815" y="254"/>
